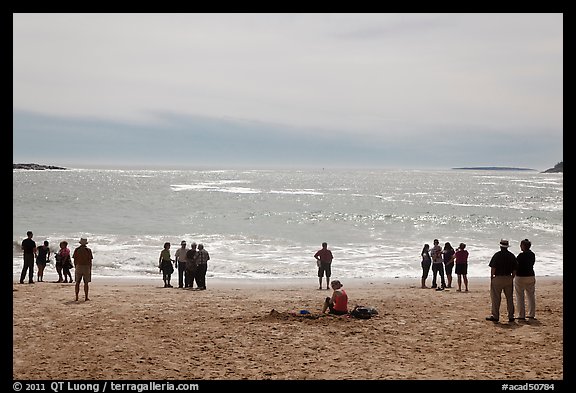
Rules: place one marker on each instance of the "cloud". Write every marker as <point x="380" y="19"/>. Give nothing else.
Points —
<point x="346" y="78"/>
<point x="180" y="140"/>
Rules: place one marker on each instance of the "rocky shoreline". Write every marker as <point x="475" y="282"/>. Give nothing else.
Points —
<point x="36" y="167"/>
<point x="558" y="168"/>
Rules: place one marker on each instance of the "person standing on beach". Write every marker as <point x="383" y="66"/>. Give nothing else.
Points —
<point x="202" y="257"/>
<point x="165" y="265"/>
<point x="191" y="266"/>
<point x="62" y="257"/>
<point x="525" y="281"/>
<point x="426" y="262"/>
<point x="67" y="265"/>
<point x="461" y="261"/>
<point x="437" y="265"/>
<point x="83" y="267"/>
<point x="448" y="257"/>
<point x="324" y="261"/>
<point x="503" y="270"/>
<point x="338" y="303"/>
<point x="29" y="252"/>
<point x="43" y="254"/>
<point x="180" y="258"/>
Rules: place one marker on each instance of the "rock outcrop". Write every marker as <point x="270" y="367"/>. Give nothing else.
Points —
<point x="558" y="168"/>
<point x="35" y="167"/>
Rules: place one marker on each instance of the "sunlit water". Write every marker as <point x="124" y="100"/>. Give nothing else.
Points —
<point x="264" y="224"/>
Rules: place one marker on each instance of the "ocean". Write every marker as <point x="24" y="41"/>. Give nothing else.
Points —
<point x="268" y="224"/>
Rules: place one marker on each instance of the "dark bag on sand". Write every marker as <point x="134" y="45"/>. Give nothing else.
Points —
<point x="363" y="312"/>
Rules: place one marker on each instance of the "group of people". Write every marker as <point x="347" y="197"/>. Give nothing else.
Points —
<point x="443" y="260"/>
<point x="192" y="264"/>
<point x="41" y="255"/>
<point x="508" y="273"/>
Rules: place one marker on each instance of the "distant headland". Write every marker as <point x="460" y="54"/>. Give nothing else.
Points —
<point x="495" y="168"/>
<point x="558" y="168"/>
<point x="35" y="167"/>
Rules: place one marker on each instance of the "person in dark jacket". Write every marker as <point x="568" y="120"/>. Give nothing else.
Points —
<point x="201" y="257"/>
<point x="426" y="263"/>
<point x="42" y="259"/>
<point x="503" y="270"/>
<point x="525" y="281"/>
<point x="29" y="250"/>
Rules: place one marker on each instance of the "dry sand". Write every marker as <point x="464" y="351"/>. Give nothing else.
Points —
<point x="138" y="330"/>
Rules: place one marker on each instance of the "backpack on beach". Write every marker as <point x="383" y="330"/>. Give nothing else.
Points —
<point x="363" y="312"/>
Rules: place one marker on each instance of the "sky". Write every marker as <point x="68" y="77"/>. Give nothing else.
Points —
<point x="288" y="90"/>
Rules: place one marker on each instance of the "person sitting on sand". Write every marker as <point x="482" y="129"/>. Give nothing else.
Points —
<point x="338" y="303"/>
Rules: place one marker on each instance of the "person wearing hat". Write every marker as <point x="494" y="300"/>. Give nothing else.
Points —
<point x="83" y="266"/>
<point x="180" y="258"/>
<point x="503" y="270"/>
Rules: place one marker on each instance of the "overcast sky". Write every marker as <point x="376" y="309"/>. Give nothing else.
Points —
<point x="287" y="90"/>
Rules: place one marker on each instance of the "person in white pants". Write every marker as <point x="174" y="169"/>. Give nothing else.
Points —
<point x="525" y="281"/>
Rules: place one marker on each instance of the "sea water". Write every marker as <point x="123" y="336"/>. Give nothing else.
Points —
<point x="268" y="224"/>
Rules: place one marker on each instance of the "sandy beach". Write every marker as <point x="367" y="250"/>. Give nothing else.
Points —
<point x="137" y="330"/>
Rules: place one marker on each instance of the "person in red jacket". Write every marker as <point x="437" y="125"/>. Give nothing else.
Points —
<point x="461" y="263"/>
